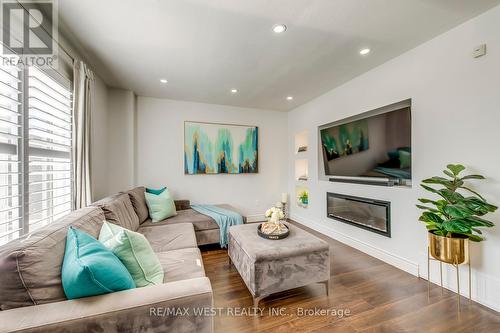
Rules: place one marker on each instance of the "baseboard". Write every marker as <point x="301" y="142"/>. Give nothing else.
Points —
<point x="485" y="289"/>
<point x="383" y="255"/>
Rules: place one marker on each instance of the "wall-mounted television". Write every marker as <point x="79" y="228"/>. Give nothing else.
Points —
<point x="374" y="147"/>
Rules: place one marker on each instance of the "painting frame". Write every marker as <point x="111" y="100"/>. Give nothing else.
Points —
<point x="252" y="167"/>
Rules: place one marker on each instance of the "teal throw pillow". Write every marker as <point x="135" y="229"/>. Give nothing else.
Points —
<point x="90" y="269"/>
<point x="155" y="191"/>
<point x="393" y="154"/>
<point x="134" y="251"/>
<point x="160" y="206"/>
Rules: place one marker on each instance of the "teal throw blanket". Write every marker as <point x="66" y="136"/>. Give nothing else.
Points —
<point x="223" y="217"/>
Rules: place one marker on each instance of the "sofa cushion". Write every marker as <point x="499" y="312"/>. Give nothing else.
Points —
<point x="30" y="267"/>
<point x="199" y="221"/>
<point x="139" y="203"/>
<point x="135" y="252"/>
<point x="91" y="269"/>
<point x="211" y="236"/>
<point x="182" y="264"/>
<point x="169" y="237"/>
<point x="119" y="210"/>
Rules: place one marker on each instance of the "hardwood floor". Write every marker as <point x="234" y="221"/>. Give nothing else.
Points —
<point x="380" y="298"/>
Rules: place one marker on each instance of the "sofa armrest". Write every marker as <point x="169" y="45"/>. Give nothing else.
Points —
<point x="170" y="307"/>
<point x="182" y="204"/>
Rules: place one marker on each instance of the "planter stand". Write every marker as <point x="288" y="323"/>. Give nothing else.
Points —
<point x="430" y="258"/>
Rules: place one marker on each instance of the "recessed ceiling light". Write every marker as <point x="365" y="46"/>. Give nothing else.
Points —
<point x="289" y="98"/>
<point x="364" y="51"/>
<point x="163" y="80"/>
<point x="234" y="91"/>
<point x="279" y="28"/>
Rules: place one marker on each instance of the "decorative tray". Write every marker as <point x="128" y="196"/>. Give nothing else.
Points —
<point x="274" y="235"/>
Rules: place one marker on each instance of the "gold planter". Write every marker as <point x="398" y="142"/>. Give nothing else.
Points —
<point x="454" y="250"/>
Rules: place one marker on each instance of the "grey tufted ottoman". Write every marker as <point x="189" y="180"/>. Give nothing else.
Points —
<point x="270" y="266"/>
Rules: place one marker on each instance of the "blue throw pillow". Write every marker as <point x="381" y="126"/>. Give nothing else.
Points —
<point x="90" y="269"/>
<point x="155" y="191"/>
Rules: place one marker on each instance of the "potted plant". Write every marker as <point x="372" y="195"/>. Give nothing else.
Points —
<point x="304" y="198"/>
<point x="456" y="216"/>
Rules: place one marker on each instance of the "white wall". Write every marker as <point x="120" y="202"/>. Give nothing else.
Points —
<point x="456" y="118"/>
<point x="160" y="149"/>
<point x="99" y="157"/>
<point x="121" y="140"/>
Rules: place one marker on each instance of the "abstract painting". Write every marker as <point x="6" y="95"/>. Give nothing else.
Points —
<point x="220" y="148"/>
<point x="346" y="139"/>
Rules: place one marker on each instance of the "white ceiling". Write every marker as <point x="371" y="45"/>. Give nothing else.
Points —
<point x="206" y="47"/>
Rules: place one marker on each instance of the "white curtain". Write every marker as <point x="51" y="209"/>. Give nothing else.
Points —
<point x="83" y="83"/>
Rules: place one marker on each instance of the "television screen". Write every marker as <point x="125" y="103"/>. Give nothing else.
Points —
<point x="376" y="146"/>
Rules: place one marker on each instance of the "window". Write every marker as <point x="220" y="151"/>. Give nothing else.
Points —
<point x="11" y="211"/>
<point x="35" y="150"/>
<point x="49" y="147"/>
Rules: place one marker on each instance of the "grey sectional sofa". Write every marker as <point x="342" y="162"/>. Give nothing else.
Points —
<point x="31" y="294"/>
<point x="206" y="230"/>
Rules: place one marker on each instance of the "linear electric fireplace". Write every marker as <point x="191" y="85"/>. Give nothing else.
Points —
<point x="369" y="214"/>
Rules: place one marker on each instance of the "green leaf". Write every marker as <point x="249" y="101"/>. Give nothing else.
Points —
<point x="472" y="177"/>
<point x="436" y="180"/>
<point x="458" y="211"/>
<point x="440" y="180"/>
<point x="449" y="174"/>
<point x="439" y="232"/>
<point x="474" y="238"/>
<point x="477" y="230"/>
<point x="492" y="208"/>
<point x="430" y="189"/>
<point x="475" y="201"/>
<point x="475" y="221"/>
<point x="434" y="210"/>
<point x="458" y="225"/>
<point x="474" y="192"/>
<point x="455" y="168"/>
<point x="438" y="203"/>
<point x="450" y="196"/>
<point x="431" y="217"/>
<point x="455" y="227"/>
<point x="479" y="206"/>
